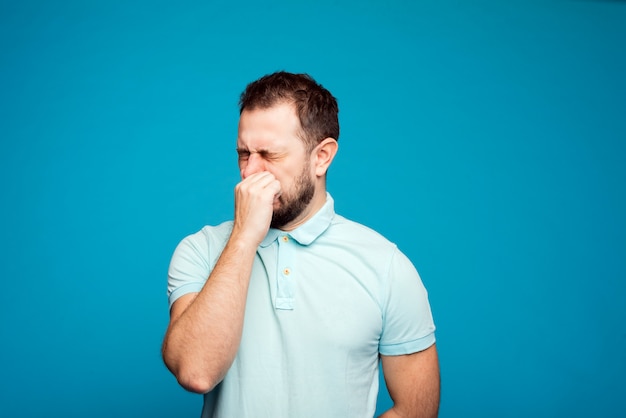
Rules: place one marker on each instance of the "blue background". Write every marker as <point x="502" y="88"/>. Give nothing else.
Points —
<point x="487" y="139"/>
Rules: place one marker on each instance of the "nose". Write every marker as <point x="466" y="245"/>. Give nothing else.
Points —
<point x="254" y="164"/>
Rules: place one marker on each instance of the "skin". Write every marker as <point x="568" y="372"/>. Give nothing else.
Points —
<point x="205" y="328"/>
<point x="413" y="384"/>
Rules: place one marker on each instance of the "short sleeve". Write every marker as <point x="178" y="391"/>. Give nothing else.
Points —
<point x="189" y="267"/>
<point x="194" y="258"/>
<point x="408" y="325"/>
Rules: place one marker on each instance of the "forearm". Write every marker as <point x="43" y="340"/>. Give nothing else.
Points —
<point x="201" y="343"/>
<point x="204" y="333"/>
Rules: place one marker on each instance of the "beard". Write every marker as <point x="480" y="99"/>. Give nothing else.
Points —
<point x="292" y="205"/>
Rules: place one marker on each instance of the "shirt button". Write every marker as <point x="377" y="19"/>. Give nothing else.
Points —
<point x="286" y="272"/>
<point x="285" y="238"/>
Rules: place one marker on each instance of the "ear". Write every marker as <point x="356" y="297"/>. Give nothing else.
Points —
<point x="323" y="155"/>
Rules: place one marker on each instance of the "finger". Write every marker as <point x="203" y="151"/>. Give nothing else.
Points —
<point x="277" y="189"/>
<point x="262" y="178"/>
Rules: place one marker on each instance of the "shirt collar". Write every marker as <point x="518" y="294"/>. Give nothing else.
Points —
<point x="308" y="232"/>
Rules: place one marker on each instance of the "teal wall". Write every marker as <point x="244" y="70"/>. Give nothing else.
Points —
<point x="487" y="139"/>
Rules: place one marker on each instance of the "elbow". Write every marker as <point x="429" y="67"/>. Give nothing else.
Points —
<point x="192" y="376"/>
<point x="196" y="384"/>
<point x="193" y="380"/>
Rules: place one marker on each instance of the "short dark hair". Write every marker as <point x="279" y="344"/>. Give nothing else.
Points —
<point x="316" y="108"/>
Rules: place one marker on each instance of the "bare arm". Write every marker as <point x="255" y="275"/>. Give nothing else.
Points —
<point x="413" y="384"/>
<point x="205" y="328"/>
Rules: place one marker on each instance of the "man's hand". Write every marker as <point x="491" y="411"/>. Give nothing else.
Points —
<point x="254" y="204"/>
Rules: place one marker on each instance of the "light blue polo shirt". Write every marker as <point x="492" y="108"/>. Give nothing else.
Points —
<point x="324" y="300"/>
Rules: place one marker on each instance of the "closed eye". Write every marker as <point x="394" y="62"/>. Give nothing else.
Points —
<point x="267" y="155"/>
<point x="243" y="154"/>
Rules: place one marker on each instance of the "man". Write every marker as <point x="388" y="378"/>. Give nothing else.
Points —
<point x="286" y="310"/>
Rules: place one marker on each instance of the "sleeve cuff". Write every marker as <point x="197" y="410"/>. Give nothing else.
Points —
<point x="193" y="287"/>
<point x="409" y="347"/>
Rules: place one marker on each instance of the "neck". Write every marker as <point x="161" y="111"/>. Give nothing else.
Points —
<point x="318" y="201"/>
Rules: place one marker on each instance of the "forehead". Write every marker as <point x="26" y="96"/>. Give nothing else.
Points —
<point x="263" y="127"/>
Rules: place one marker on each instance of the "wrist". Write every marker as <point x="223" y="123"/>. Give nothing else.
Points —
<point x="241" y="241"/>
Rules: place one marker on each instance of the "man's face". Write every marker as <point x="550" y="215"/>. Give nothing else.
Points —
<point x="268" y="141"/>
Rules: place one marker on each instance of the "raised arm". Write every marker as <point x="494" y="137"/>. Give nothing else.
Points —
<point x="205" y="328"/>
<point x="413" y="384"/>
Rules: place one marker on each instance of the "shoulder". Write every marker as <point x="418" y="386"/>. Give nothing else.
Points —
<point x="194" y="258"/>
<point x="347" y="229"/>
<point x="369" y="247"/>
<point x="205" y="242"/>
<point x="210" y="234"/>
<point x="217" y="233"/>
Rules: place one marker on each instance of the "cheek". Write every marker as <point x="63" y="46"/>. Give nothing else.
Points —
<point x="285" y="185"/>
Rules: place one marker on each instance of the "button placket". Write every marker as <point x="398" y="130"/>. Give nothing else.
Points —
<point x="285" y="290"/>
